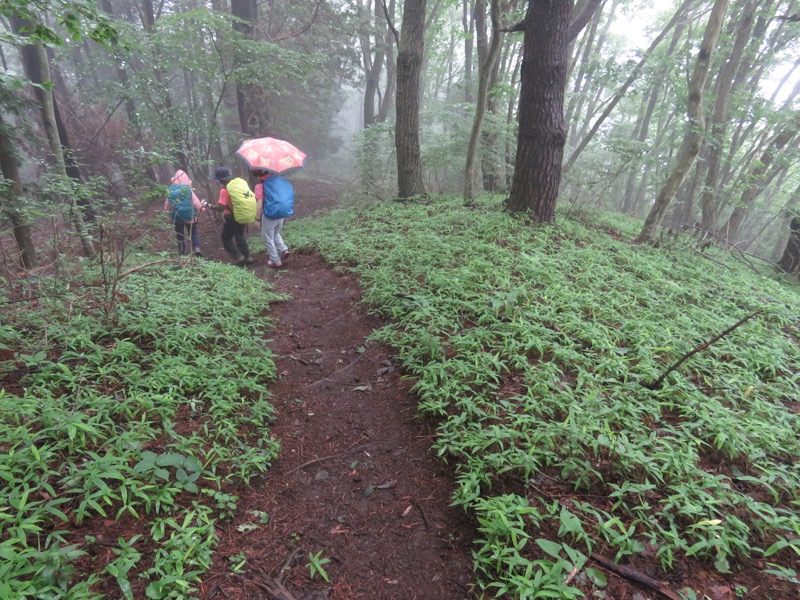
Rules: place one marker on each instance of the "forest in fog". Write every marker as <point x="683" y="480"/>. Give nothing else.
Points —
<point x="680" y="113"/>
<point x="538" y="336"/>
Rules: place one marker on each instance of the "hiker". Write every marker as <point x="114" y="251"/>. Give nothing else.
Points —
<point x="238" y="206"/>
<point x="275" y="196"/>
<point x="184" y="207"/>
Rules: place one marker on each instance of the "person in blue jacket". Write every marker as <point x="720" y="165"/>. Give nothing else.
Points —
<point x="275" y="197"/>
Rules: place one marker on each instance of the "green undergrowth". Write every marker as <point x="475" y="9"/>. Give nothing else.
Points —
<point x="535" y="347"/>
<point x="147" y="424"/>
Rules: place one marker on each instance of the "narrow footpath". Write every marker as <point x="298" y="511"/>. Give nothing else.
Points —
<point x="356" y="485"/>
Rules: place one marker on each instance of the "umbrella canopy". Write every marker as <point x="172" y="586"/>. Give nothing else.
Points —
<point x="271" y="154"/>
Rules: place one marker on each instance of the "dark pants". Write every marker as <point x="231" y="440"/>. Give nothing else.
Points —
<point x="233" y="238"/>
<point x="181" y="236"/>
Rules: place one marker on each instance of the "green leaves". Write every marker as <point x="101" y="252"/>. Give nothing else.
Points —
<point x="528" y="345"/>
<point x="93" y="434"/>
<point x="186" y="469"/>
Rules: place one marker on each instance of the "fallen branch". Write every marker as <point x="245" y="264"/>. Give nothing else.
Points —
<point x="145" y="265"/>
<point x="324" y="458"/>
<point x="657" y="383"/>
<point x="327" y="378"/>
<point x="638" y="577"/>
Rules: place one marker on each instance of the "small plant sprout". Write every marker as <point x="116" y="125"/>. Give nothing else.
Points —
<point x="315" y="565"/>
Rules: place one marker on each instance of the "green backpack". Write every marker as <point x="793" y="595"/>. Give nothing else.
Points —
<point x="243" y="201"/>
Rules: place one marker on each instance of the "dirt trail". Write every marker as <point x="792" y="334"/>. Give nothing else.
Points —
<point x="355" y="480"/>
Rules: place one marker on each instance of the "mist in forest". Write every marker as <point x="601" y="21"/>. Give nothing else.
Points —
<point x="132" y="90"/>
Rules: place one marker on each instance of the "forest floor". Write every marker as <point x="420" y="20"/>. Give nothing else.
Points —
<point x="356" y="490"/>
<point x="355" y="479"/>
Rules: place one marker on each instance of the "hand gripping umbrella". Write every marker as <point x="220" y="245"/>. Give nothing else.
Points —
<point x="271" y="154"/>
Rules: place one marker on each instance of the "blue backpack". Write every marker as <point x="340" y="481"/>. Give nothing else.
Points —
<point x="180" y="202"/>
<point x="278" y="197"/>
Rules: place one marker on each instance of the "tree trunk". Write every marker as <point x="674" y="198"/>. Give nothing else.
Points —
<point x="696" y="124"/>
<point x="624" y="87"/>
<point x="758" y="179"/>
<point x="391" y="76"/>
<point x="542" y="132"/>
<point x="468" y="23"/>
<point x="373" y="65"/>
<point x="409" y="66"/>
<point x="251" y="103"/>
<point x="37" y="68"/>
<point x="577" y="96"/>
<point x="632" y="192"/>
<point x="484" y="75"/>
<point x="719" y="125"/>
<point x="20" y="225"/>
<point x="790" y="261"/>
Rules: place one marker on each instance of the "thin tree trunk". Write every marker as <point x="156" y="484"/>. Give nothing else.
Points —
<point x="696" y="124"/>
<point x="37" y="69"/>
<point x="468" y="24"/>
<point x="484" y="76"/>
<point x="624" y="87"/>
<point x="719" y="124"/>
<point x="391" y="74"/>
<point x="759" y="178"/>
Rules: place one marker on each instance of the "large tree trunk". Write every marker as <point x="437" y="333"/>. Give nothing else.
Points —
<point x="696" y="124"/>
<point x="484" y="75"/>
<point x="542" y="132"/>
<point x="409" y="66"/>
<point x="21" y="225"/>
<point x="251" y="104"/>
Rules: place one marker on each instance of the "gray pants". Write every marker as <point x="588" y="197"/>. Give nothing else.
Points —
<point x="271" y="232"/>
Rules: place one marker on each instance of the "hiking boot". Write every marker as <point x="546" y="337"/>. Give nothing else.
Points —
<point x="249" y="260"/>
<point x="275" y="265"/>
<point x="239" y="260"/>
<point x="285" y="254"/>
<point x="197" y="251"/>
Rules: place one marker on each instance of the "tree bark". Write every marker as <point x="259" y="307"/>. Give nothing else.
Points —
<point x="468" y="24"/>
<point x="484" y="75"/>
<point x="37" y="68"/>
<point x="251" y="103"/>
<point x="21" y="226"/>
<point x="542" y="132"/>
<point x="696" y="124"/>
<point x="409" y="67"/>
<point x="719" y="123"/>
<point x="758" y="179"/>
<point x="790" y="261"/>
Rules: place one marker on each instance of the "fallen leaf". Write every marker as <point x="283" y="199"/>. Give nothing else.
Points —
<point x="363" y="388"/>
<point x="386" y="485"/>
<point x="244" y="527"/>
<point x="368" y="491"/>
<point x="408" y="510"/>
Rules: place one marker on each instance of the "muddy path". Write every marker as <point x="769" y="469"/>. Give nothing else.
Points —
<point x="356" y="483"/>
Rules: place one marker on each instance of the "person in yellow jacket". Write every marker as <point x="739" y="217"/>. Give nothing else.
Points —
<point x="233" y="233"/>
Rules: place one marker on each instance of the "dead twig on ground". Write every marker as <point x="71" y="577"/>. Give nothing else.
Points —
<point x="324" y="458"/>
<point x="637" y="576"/>
<point x="655" y="385"/>
<point x="328" y="377"/>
